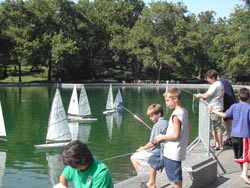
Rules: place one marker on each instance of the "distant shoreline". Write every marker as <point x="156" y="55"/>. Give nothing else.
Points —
<point x="70" y="85"/>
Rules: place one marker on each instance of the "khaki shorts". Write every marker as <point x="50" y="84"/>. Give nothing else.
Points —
<point x="216" y="122"/>
<point x="142" y="157"/>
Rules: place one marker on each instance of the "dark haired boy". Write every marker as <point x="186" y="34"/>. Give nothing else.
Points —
<point x="240" y="113"/>
<point x="82" y="168"/>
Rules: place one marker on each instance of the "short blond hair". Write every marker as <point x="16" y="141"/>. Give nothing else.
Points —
<point x="154" y="109"/>
<point x="173" y="92"/>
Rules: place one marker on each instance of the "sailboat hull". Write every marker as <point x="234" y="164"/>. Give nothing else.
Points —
<point x="111" y="111"/>
<point x="80" y="119"/>
<point x="51" y="145"/>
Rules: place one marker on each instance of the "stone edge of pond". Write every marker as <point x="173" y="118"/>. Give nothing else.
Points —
<point x="70" y="85"/>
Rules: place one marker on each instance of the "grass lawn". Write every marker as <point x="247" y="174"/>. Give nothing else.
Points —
<point x="27" y="75"/>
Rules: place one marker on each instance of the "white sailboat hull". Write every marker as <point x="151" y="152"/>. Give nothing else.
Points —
<point x="111" y="111"/>
<point x="51" y="145"/>
<point x="80" y="119"/>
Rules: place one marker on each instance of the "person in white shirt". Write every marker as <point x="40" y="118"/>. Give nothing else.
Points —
<point x="176" y="137"/>
<point x="214" y="96"/>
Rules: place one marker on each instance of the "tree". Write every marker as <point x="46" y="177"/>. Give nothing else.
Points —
<point x="124" y="16"/>
<point x="19" y="30"/>
<point x="157" y="40"/>
<point x="62" y="49"/>
<point x="234" y="46"/>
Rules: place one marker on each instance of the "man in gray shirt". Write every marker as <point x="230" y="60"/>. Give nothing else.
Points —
<point x="214" y="96"/>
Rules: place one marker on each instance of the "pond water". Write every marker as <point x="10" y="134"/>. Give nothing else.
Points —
<point x="26" y="111"/>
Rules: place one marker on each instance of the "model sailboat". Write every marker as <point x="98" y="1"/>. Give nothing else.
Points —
<point x="58" y="132"/>
<point x="2" y="125"/>
<point x="2" y="137"/>
<point x="111" y="105"/>
<point x="79" y="111"/>
<point x="73" y="109"/>
<point x="110" y="102"/>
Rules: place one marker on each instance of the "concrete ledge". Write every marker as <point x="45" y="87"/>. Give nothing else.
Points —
<point x="199" y="173"/>
<point x="143" y="175"/>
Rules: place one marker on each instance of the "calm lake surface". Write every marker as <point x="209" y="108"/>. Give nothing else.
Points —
<point x="26" y="111"/>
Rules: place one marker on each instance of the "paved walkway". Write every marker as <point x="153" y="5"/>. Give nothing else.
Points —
<point x="228" y="172"/>
<point x="231" y="177"/>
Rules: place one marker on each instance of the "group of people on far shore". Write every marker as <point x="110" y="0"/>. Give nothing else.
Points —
<point x="168" y="141"/>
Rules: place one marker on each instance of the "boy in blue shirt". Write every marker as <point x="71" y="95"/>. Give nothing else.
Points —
<point x="151" y="148"/>
<point x="240" y="113"/>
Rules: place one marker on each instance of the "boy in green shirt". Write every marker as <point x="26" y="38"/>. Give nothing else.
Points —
<point x="83" y="169"/>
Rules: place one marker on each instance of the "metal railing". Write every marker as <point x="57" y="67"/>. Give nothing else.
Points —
<point x="204" y="128"/>
<point x="204" y="125"/>
<point x="204" y="132"/>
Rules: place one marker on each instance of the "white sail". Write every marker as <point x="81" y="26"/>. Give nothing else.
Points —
<point x="58" y="128"/>
<point x="55" y="167"/>
<point x="80" y="111"/>
<point x="2" y="165"/>
<point x="73" y="108"/>
<point x="110" y="123"/>
<point x="118" y="100"/>
<point x="2" y="124"/>
<point x="84" y="108"/>
<point x="110" y="102"/>
<point x="110" y="99"/>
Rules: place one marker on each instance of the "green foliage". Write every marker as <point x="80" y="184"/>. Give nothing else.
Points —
<point x="233" y="46"/>
<point x="122" y="40"/>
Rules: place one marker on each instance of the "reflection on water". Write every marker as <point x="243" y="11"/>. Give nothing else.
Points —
<point x="26" y="111"/>
<point x="113" y="118"/>
<point x="2" y="165"/>
<point x="55" y="167"/>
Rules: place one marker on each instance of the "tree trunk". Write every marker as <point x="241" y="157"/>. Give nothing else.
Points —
<point x="49" y="72"/>
<point x="159" y="73"/>
<point x="19" y="72"/>
<point x="5" y="70"/>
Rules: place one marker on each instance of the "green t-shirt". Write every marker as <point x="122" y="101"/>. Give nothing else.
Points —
<point x="96" y="176"/>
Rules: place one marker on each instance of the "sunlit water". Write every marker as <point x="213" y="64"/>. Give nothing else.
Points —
<point x="26" y="111"/>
